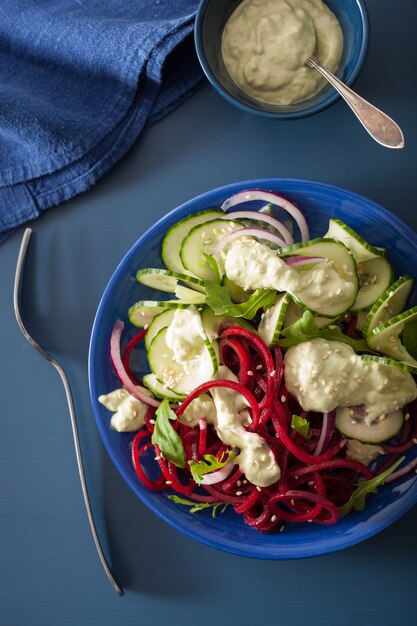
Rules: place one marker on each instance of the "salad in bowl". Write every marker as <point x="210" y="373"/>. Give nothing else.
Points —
<point x="267" y="375"/>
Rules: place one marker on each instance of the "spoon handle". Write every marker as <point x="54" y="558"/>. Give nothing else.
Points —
<point x="381" y="127"/>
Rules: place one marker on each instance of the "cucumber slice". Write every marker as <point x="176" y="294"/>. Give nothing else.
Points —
<point x="391" y="303"/>
<point x="172" y="241"/>
<point x="142" y="313"/>
<point x="385" y="338"/>
<point x="237" y="294"/>
<point x="161" y="320"/>
<point x="380" y="430"/>
<point x="159" y="390"/>
<point x="203" y="239"/>
<point x="383" y="360"/>
<point x="343" y="263"/>
<point x="272" y="320"/>
<point x="165" y="280"/>
<point x="375" y="276"/>
<point x="189" y="295"/>
<point x="361" y="249"/>
<point x="212" y="323"/>
<point x="172" y="374"/>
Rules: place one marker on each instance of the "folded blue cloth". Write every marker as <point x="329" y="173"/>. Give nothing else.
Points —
<point x="79" y="80"/>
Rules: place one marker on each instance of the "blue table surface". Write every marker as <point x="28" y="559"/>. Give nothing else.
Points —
<point x="49" y="570"/>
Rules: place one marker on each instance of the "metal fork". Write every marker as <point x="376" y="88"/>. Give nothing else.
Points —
<point x="16" y="300"/>
<point x="381" y="127"/>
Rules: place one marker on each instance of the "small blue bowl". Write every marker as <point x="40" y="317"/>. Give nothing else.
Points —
<point x="227" y="531"/>
<point x="211" y="18"/>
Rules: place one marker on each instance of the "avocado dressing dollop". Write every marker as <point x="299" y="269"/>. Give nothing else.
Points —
<point x="265" y="44"/>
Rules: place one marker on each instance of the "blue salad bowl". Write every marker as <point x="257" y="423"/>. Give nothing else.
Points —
<point x="227" y="531"/>
<point x="211" y="18"/>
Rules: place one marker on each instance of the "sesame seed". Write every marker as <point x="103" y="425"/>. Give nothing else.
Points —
<point x="310" y="482"/>
<point x="283" y="398"/>
<point x="258" y="488"/>
<point x="259" y="367"/>
<point x="292" y="501"/>
<point x="239" y="482"/>
<point x="239" y="493"/>
<point x="273" y="373"/>
<point x="158" y="458"/>
<point x="415" y="440"/>
<point x="249" y="373"/>
<point x="282" y="527"/>
<point x="407" y="416"/>
<point x="168" y="482"/>
<point x="382" y="417"/>
<point x="152" y="421"/>
<point x="245" y="482"/>
<point x="274" y="518"/>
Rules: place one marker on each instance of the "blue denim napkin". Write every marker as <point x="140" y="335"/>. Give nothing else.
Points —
<point x="79" y="79"/>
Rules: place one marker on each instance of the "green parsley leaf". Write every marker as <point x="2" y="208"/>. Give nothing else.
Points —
<point x="306" y="328"/>
<point x="301" y="425"/>
<point x="358" y="497"/>
<point x="219" y="300"/>
<point x="409" y="338"/>
<point x="199" y="506"/>
<point x="210" y="464"/>
<point x="166" y="437"/>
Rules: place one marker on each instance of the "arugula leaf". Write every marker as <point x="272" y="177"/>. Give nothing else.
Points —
<point x="211" y="464"/>
<point x="215" y="267"/>
<point x="166" y="437"/>
<point x="358" y="497"/>
<point x="409" y="338"/>
<point x="219" y="300"/>
<point x="301" y="425"/>
<point x="199" y="506"/>
<point x="306" y="328"/>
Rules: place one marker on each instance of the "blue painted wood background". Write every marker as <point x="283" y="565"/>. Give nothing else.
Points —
<point x="49" y="571"/>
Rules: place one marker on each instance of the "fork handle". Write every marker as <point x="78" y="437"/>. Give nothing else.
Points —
<point x="381" y="127"/>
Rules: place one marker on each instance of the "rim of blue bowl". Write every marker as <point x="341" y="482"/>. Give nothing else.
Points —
<point x="333" y="96"/>
<point x="332" y="544"/>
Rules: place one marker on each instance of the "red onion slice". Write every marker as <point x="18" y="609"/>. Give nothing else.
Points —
<point x="402" y="472"/>
<point x="259" y="233"/>
<point x="263" y="217"/>
<point x="121" y="373"/>
<point x="269" y="196"/>
<point x="326" y="431"/>
<point x="297" y="261"/>
<point x="216" y="477"/>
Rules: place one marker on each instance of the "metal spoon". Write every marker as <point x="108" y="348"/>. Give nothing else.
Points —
<point x="16" y="299"/>
<point x="381" y="127"/>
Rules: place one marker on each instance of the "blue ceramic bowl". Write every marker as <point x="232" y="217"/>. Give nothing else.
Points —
<point x="227" y="531"/>
<point x="211" y="18"/>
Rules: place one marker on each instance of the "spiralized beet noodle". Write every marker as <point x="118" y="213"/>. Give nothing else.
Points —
<point x="312" y="485"/>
